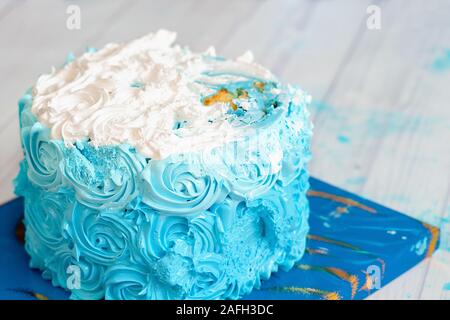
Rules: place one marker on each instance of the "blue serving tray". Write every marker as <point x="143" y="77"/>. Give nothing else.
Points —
<point x="354" y="248"/>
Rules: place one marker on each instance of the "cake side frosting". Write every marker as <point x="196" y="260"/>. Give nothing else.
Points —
<point x="206" y="223"/>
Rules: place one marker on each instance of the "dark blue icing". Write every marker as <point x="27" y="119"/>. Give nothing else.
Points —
<point x="191" y="226"/>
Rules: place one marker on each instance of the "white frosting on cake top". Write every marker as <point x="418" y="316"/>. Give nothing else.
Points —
<point x="137" y="93"/>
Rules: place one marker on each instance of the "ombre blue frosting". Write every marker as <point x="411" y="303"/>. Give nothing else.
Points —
<point x="190" y="226"/>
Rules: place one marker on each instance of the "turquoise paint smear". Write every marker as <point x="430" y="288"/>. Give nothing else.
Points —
<point x="445" y="237"/>
<point x="442" y="62"/>
<point x="446" y="286"/>
<point x="357" y="181"/>
<point x="319" y="106"/>
<point x="70" y="57"/>
<point x="383" y="123"/>
<point x="137" y="84"/>
<point x="91" y="49"/>
<point x="374" y="123"/>
<point x="347" y="123"/>
<point x="445" y="232"/>
<point x="443" y="223"/>
<point x="399" y="198"/>
<point x="343" y="139"/>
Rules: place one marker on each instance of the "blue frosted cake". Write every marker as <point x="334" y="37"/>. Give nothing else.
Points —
<point x="151" y="172"/>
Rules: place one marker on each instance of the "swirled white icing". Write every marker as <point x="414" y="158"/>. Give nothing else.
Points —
<point x="136" y="93"/>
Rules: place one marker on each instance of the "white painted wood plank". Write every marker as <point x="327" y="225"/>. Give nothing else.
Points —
<point x="437" y="281"/>
<point x="32" y="47"/>
<point x="382" y="114"/>
<point x="36" y="38"/>
<point x="381" y="127"/>
<point x="314" y="53"/>
<point x="199" y="24"/>
<point x="7" y="6"/>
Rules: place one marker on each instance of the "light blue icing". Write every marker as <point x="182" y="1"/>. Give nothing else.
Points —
<point x="186" y="227"/>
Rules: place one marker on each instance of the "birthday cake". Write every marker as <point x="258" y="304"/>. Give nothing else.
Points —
<point x="152" y="172"/>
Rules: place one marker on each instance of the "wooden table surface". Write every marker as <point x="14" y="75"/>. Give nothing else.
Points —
<point x="381" y="97"/>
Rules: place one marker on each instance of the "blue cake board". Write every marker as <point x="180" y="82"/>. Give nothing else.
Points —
<point x="355" y="247"/>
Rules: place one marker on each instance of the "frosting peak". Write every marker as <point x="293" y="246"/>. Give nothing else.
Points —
<point x="150" y="94"/>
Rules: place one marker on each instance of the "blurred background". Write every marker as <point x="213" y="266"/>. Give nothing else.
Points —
<point x="378" y="71"/>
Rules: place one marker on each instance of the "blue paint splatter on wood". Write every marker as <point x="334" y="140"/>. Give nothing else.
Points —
<point x="70" y="57"/>
<point x="356" y="181"/>
<point x="137" y="84"/>
<point x="442" y="62"/>
<point x="91" y="50"/>
<point x="343" y="139"/>
<point x="319" y="106"/>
